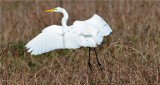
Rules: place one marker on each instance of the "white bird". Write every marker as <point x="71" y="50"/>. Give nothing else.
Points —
<point x="88" y="33"/>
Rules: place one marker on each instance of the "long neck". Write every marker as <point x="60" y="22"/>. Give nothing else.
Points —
<point x="65" y="18"/>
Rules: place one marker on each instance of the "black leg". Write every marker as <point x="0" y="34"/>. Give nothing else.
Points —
<point x="99" y="64"/>
<point x="89" y="60"/>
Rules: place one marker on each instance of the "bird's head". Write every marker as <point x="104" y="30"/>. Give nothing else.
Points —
<point x="57" y="9"/>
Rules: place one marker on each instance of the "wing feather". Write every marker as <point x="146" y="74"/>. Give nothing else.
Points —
<point x="52" y="38"/>
<point x="49" y="39"/>
<point x="91" y="31"/>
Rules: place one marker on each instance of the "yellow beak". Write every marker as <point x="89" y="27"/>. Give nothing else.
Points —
<point x="50" y="10"/>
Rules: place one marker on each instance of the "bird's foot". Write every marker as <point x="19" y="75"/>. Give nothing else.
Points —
<point x="90" y="66"/>
<point x="101" y="67"/>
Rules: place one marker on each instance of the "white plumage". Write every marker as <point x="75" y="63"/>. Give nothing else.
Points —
<point x="88" y="33"/>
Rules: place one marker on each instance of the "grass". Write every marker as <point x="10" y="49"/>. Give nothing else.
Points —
<point x="131" y="55"/>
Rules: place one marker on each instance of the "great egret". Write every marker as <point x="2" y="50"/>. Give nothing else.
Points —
<point x="88" y="33"/>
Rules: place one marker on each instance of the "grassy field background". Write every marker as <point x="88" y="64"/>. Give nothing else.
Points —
<point x="131" y="55"/>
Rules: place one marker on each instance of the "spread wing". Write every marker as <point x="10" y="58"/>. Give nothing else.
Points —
<point x="49" y="39"/>
<point x="91" y="31"/>
<point x="52" y="38"/>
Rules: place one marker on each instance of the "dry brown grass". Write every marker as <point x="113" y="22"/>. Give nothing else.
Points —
<point x="132" y="57"/>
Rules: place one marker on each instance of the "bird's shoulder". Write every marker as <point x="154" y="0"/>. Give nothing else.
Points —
<point x="78" y="22"/>
<point x="94" y="18"/>
<point x="52" y="28"/>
